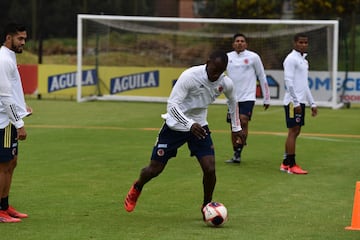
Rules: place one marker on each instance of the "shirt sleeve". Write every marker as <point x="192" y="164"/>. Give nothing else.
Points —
<point x="177" y="96"/>
<point x="289" y="71"/>
<point x="310" y="97"/>
<point x="229" y="92"/>
<point x="260" y="73"/>
<point x="6" y="96"/>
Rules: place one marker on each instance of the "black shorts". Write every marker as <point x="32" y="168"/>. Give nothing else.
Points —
<point x="168" y="141"/>
<point x="245" y="108"/>
<point x="293" y="119"/>
<point x="8" y="143"/>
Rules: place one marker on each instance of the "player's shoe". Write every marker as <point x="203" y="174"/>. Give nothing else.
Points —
<point x="296" y="169"/>
<point x="202" y="211"/>
<point x="234" y="160"/>
<point x="284" y="168"/>
<point x="131" y="198"/>
<point x="5" y="218"/>
<point x="15" y="214"/>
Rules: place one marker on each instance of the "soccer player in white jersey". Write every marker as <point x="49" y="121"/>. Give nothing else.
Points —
<point x="186" y="122"/>
<point x="12" y="110"/>
<point x="297" y="94"/>
<point x="245" y="68"/>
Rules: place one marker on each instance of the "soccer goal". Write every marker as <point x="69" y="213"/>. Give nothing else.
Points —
<point x="133" y="58"/>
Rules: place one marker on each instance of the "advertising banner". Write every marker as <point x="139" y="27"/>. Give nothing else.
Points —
<point x="60" y="80"/>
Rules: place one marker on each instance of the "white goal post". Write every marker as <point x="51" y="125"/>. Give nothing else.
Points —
<point x="133" y="58"/>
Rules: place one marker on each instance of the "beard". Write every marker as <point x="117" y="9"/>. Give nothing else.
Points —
<point x="16" y="48"/>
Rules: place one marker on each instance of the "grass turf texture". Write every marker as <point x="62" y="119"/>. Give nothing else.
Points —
<point x="80" y="159"/>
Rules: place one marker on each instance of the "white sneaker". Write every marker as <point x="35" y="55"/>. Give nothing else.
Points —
<point x="234" y="160"/>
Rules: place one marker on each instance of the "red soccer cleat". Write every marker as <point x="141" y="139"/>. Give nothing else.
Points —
<point x="296" y="169"/>
<point x="5" y="218"/>
<point x="284" y="168"/>
<point x="131" y="198"/>
<point x="15" y="214"/>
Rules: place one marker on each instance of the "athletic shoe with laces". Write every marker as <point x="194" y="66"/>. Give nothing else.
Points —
<point x="131" y="198"/>
<point x="5" y="218"/>
<point x="234" y="160"/>
<point x="296" y="169"/>
<point x="11" y="211"/>
<point x="284" y="168"/>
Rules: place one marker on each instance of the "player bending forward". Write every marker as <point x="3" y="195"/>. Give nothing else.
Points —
<point x="186" y="122"/>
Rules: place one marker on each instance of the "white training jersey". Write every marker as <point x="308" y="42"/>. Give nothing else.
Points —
<point x="191" y="95"/>
<point x="12" y="101"/>
<point x="296" y="70"/>
<point x="245" y="68"/>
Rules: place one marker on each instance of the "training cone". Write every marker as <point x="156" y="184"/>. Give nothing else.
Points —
<point x="355" y="221"/>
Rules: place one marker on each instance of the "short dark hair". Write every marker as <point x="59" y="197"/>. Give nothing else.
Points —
<point x="12" y="28"/>
<point x="219" y="54"/>
<point x="240" y="35"/>
<point x="300" y="35"/>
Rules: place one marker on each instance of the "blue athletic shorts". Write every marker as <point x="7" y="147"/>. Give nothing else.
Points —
<point x="8" y="143"/>
<point x="168" y="141"/>
<point x="293" y="119"/>
<point x="245" y="108"/>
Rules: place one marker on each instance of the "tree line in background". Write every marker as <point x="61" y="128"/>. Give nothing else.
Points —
<point x="57" y="19"/>
<point x="346" y="11"/>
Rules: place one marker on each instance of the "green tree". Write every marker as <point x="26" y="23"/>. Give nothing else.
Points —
<point x="58" y="18"/>
<point x="242" y="9"/>
<point x="347" y="11"/>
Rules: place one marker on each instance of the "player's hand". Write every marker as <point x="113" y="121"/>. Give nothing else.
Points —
<point x="314" y="111"/>
<point x="29" y="110"/>
<point x="198" y="131"/>
<point x="266" y="106"/>
<point x="240" y="137"/>
<point x="298" y="110"/>
<point x="21" y="133"/>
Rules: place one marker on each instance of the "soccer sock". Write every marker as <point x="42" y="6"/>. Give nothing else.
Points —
<point x="238" y="150"/>
<point x="4" y="203"/>
<point x="291" y="159"/>
<point x="285" y="160"/>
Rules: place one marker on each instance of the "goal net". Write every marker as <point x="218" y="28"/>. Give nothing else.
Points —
<point x="133" y="58"/>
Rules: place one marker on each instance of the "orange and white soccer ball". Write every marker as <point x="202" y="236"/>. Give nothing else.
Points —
<point x="215" y="214"/>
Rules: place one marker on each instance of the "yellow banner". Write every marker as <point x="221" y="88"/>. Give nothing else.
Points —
<point x="60" y="81"/>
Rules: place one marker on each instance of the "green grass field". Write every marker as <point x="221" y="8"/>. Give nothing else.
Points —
<point x="80" y="159"/>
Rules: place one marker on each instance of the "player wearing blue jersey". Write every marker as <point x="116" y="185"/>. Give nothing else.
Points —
<point x="12" y="110"/>
<point x="297" y="94"/>
<point x="186" y="122"/>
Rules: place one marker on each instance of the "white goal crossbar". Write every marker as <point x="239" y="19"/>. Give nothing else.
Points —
<point x="334" y="102"/>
